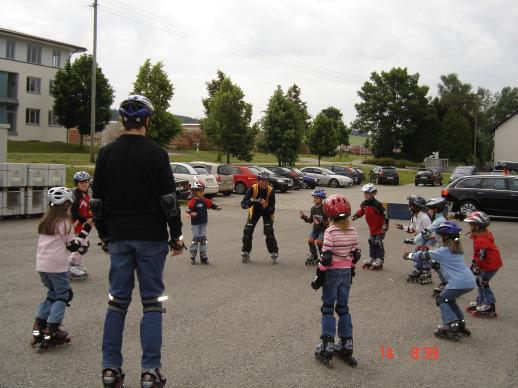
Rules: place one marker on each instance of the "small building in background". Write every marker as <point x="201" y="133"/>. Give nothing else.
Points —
<point x="191" y="138"/>
<point x="28" y="66"/>
<point x="506" y="138"/>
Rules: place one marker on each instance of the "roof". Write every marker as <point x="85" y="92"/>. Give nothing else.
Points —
<point x="503" y="121"/>
<point x="40" y="39"/>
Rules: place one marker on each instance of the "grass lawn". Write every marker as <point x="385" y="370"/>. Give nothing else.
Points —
<point x="357" y="140"/>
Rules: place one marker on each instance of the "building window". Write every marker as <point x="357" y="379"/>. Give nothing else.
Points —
<point x="9" y="50"/>
<point x="34" y="54"/>
<point x="51" y="85"/>
<point x="53" y="119"/>
<point x="56" y="58"/>
<point x="32" y="116"/>
<point x="33" y="85"/>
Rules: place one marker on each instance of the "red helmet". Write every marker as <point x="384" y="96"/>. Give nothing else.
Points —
<point x="337" y="206"/>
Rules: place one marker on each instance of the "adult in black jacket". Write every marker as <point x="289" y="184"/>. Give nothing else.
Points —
<point x="259" y="199"/>
<point x="133" y="202"/>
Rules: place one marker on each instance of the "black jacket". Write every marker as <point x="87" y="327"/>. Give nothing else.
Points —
<point x="131" y="175"/>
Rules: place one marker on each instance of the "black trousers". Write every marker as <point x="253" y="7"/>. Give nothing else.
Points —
<point x="271" y="242"/>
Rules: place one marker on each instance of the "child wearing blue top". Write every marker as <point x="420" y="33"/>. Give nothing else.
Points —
<point x="448" y="256"/>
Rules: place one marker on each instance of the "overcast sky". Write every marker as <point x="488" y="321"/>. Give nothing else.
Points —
<point x="328" y="47"/>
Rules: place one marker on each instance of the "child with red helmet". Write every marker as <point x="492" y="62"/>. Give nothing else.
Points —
<point x="197" y="210"/>
<point x="340" y="254"/>
<point x="378" y="222"/>
<point x="318" y="218"/>
<point x="486" y="262"/>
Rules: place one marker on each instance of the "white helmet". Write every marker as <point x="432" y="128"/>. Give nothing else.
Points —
<point x="370" y="188"/>
<point x="59" y="195"/>
<point x="197" y="185"/>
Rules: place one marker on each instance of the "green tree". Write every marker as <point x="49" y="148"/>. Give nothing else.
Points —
<point x="393" y="106"/>
<point x="212" y="87"/>
<point x="505" y="104"/>
<point x="152" y="81"/>
<point x="227" y="124"/>
<point x="72" y="90"/>
<point x="322" y="136"/>
<point x="455" y="130"/>
<point x="293" y="95"/>
<point x="283" y="128"/>
<point x="342" y="131"/>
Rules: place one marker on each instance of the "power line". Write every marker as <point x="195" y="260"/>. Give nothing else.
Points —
<point x="145" y="18"/>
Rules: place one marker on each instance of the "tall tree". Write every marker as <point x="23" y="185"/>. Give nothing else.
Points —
<point x="293" y="94"/>
<point x="505" y="104"/>
<point x="227" y="124"/>
<point x="455" y="130"/>
<point x="283" y="128"/>
<point x="72" y="90"/>
<point x="392" y="108"/>
<point x="152" y="81"/>
<point x="322" y="136"/>
<point x="212" y="87"/>
<point x="342" y="131"/>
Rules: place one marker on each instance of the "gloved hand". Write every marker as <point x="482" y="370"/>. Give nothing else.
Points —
<point x="319" y="279"/>
<point x="84" y="232"/>
<point x="176" y="246"/>
<point x="435" y="265"/>
<point x="407" y="256"/>
<point x="384" y="228"/>
<point x="357" y="255"/>
<point x="475" y="269"/>
<point x="409" y="241"/>
<point x="399" y="226"/>
<point x="104" y="245"/>
<point x="354" y="217"/>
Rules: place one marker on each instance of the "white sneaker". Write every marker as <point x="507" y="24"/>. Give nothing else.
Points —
<point x="275" y="257"/>
<point x="77" y="271"/>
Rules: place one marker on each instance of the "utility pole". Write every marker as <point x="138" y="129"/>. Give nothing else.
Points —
<point x="475" y="140"/>
<point x="94" y="80"/>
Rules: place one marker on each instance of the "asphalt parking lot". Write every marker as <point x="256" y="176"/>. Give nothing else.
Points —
<point x="256" y="325"/>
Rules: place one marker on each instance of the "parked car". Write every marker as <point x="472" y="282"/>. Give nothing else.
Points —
<point x="278" y="182"/>
<point x="494" y="194"/>
<point x="296" y="177"/>
<point x="223" y="174"/>
<point x="308" y="182"/>
<point x="244" y="177"/>
<point x="463" y="171"/>
<point x="328" y="177"/>
<point x="183" y="188"/>
<point x="190" y="173"/>
<point x="428" y="176"/>
<point x="361" y="174"/>
<point x="382" y="174"/>
<point x="346" y="171"/>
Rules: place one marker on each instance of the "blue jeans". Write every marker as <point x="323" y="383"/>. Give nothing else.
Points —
<point x="58" y="286"/>
<point x="335" y="297"/>
<point x="485" y="294"/>
<point x="148" y="259"/>
<point x="199" y="237"/>
<point x="450" y="311"/>
<point x="376" y="248"/>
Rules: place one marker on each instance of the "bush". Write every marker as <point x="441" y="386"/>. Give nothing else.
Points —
<point x="400" y="163"/>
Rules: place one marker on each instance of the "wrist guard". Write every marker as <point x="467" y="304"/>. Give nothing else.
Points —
<point x="319" y="279"/>
<point x="327" y="258"/>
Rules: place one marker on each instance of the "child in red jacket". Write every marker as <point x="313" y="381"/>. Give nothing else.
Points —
<point x="485" y="264"/>
<point x="378" y="222"/>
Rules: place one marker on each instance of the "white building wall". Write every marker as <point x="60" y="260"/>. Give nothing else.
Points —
<point x="43" y="100"/>
<point x="506" y="140"/>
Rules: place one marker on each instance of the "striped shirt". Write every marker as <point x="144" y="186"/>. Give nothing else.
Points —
<point x="340" y="242"/>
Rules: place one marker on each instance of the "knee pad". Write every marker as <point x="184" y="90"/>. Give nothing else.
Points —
<point x="341" y="310"/>
<point x="440" y="300"/>
<point x="119" y="305"/>
<point x="67" y="299"/>
<point x="203" y="240"/>
<point x="371" y="242"/>
<point x="311" y="241"/>
<point x="248" y="231"/>
<point x="268" y="230"/>
<point x="319" y="243"/>
<point x="153" y="304"/>
<point x="327" y="309"/>
<point x="484" y="283"/>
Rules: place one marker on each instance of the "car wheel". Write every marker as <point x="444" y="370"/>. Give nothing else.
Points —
<point x="284" y="190"/>
<point x="333" y="183"/>
<point x="468" y="207"/>
<point x="304" y="185"/>
<point x="227" y="193"/>
<point x="240" y="188"/>
<point x="416" y="184"/>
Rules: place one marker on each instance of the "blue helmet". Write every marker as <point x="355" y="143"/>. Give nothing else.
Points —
<point x="449" y="229"/>
<point x="81" y="176"/>
<point x="320" y="193"/>
<point x="136" y="107"/>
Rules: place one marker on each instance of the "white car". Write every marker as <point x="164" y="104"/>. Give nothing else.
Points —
<point x="185" y="171"/>
<point x="223" y="174"/>
<point x="327" y="177"/>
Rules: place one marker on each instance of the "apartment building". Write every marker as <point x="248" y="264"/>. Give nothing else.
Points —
<point x="28" y="65"/>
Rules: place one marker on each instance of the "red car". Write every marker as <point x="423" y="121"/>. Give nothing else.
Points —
<point x="244" y="177"/>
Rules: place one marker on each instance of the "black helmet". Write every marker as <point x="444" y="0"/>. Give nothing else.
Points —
<point x="417" y="201"/>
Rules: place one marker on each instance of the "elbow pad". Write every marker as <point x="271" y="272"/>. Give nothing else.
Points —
<point x="424" y="255"/>
<point x="169" y="204"/>
<point x="327" y="258"/>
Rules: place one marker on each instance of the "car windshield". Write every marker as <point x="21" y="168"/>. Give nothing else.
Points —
<point x="462" y="170"/>
<point x="296" y="170"/>
<point x="328" y="171"/>
<point x="422" y="172"/>
<point x="235" y="170"/>
<point x="201" y="170"/>
<point x="253" y="170"/>
<point x="282" y="169"/>
<point x="388" y="169"/>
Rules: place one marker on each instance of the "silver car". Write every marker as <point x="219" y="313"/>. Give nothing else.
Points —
<point x="327" y="177"/>
<point x="223" y="174"/>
